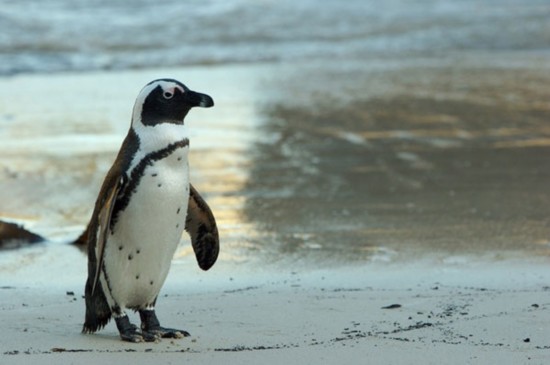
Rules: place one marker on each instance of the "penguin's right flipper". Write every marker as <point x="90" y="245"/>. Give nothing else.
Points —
<point x="98" y="312"/>
<point x="103" y="225"/>
<point x="201" y="226"/>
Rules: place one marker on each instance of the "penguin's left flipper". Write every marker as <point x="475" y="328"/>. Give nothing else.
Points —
<point x="201" y="226"/>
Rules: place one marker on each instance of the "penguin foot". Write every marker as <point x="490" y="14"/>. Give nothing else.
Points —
<point x="167" y="332"/>
<point x="150" y="324"/>
<point x="131" y="333"/>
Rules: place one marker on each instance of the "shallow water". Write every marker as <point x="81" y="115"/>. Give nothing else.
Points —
<point x="422" y="132"/>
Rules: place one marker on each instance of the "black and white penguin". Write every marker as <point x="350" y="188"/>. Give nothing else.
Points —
<point x="145" y="203"/>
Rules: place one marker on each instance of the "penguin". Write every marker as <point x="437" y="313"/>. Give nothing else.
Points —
<point x="144" y="204"/>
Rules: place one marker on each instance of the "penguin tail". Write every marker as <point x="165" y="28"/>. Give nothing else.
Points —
<point x="98" y="313"/>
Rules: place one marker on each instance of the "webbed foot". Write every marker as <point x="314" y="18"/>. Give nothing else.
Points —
<point x="131" y="333"/>
<point x="150" y="324"/>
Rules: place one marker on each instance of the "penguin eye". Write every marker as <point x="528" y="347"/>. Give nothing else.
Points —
<point x="168" y="95"/>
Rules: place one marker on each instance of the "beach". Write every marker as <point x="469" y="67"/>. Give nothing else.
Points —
<point x="281" y="291"/>
<point x="427" y="312"/>
<point x="374" y="168"/>
<point x="381" y="190"/>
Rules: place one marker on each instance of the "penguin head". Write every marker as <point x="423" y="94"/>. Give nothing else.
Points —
<point x="167" y="101"/>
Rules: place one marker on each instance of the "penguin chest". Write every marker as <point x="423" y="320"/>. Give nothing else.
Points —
<point x="147" y="232"/>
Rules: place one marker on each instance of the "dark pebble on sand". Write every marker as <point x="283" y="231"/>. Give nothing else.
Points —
<point x="392" y="306"/>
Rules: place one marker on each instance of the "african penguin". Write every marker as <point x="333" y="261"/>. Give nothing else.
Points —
<point x="145" y="203"/>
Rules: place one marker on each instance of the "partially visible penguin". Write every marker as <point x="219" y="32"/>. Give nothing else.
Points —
<point x="145" y="203"/>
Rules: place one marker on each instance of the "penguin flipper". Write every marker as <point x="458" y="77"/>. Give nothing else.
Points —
<point x="98" y="312"/>
<point x="103" y="224"/>
<point x="201" y="226"/>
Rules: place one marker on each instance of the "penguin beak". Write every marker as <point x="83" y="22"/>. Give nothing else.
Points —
<point x="197" y="99"/>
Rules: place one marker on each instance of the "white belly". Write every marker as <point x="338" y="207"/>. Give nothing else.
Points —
<point x="139" y="252"/>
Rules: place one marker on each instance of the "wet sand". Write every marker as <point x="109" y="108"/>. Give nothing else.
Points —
<point x="374" y="182"/>
<point x="441" y="159"/>
<point x="390" y="160"/>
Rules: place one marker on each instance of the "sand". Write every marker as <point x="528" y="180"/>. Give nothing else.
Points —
<point x="461" y="311"/>
<point x="405" y="272"/>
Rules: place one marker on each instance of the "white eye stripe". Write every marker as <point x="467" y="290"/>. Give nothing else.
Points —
<point x="170" y="92"/>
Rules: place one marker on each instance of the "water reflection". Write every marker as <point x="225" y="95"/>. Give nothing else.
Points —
<point x="407" y="173"/>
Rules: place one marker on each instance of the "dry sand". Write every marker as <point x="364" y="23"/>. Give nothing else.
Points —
<point x="432" y="312"/>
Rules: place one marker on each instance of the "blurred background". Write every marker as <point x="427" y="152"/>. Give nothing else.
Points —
<point x="344" y="131"/>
